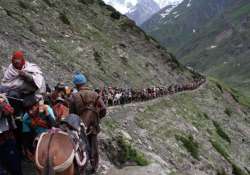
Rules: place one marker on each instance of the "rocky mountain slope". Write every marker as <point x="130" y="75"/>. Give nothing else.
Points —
<point x="210" y="36"/>
<point x="205" y="131"/>
<point x="87" y="35"/>
<point x="200" y="132"/>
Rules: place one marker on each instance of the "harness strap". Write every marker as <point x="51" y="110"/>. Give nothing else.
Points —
<point x="58" y="168"/>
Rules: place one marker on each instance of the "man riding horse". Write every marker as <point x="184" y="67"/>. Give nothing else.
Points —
<point x="91" y="108"/>
<point x="38" y="119"/>
<point x="21" y="79"/>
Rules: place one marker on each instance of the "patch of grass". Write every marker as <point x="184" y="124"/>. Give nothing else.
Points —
<point x="236" y="94"/>
<point x="128" y="153"/>
<point x="220" y="148"/>
<point x="221" y="132"/>
<point x="110" y="124"/>
<point x="190" y="144"/>
<point x="240" y="98"/>
<point x="228" y="112"/>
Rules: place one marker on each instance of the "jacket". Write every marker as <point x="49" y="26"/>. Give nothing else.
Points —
<point x="87" y="98"/>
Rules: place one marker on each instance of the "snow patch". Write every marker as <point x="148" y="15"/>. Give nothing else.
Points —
<point x="167" y="11"/>
<point x="213" y="47"/>
<point x="189" y="3"/>
<point x="165" y="3"/>
<point x="174" y="13"/>
<point x="176" y="16"/>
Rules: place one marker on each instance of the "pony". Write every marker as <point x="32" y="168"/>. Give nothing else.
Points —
<point x="58" y="153"/>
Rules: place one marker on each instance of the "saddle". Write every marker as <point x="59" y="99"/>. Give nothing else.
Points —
<point x="77" y="132"/>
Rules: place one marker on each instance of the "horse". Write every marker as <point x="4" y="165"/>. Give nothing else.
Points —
<point x="91" y="119"/>
<point x="56" y="154"/>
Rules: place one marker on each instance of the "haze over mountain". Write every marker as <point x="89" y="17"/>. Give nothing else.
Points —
<point x="204" y="131"/>
<point x="141" y="10"/>
<point x="211" y="36"/>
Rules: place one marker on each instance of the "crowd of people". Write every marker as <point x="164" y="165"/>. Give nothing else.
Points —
<point x="119" y="96"/>
<point x="28" y="108"/>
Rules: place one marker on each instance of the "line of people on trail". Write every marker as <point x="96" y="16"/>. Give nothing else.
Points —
<point x="118" y="96"/>
<point x="27" y="110"/>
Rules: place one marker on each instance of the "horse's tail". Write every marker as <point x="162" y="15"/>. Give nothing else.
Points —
<point x="48" y="168"/>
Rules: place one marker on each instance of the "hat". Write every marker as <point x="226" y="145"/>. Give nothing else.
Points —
<point x="18" y="59"/>
<point x="30" y="101"/>
<point x="18" y="55"/>
<point x="79" y="79"/>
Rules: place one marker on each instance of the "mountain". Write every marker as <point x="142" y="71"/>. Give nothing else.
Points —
<point x="164" y="3"/>
<point x="209" y="36"/>
<point x="143" y="10"/>
<point x="203" y="131"/>
<point x="123" y="6"/>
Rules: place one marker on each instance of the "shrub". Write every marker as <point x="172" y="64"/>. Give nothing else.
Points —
<point x="190" y="144"/>
<point x="237" y="170"/>
<point x="205" y="115"/>
<point x="64" y="19"/>
<point x="219" y="87"/>
<point x="221" y="132"/>
<point x="24" y="5"/>
<point x="115" y="15"/>
<point x="228" y="112"/>
<point x="128" y="153"/>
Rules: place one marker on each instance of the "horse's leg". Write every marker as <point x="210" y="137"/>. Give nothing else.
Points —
<point x="94" y="157"/>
